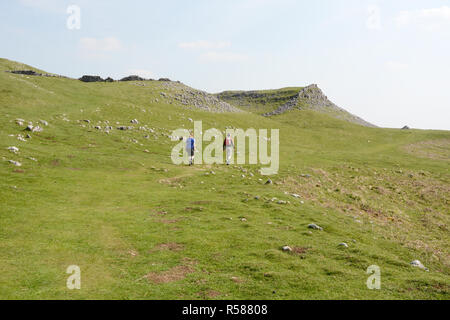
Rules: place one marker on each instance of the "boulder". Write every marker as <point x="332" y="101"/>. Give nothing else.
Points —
<point x="16" y="163"/>
<point x="26" y="72"/>
<point x="132" y="78"/>
<point x="418" y="264"/>
<point x="87" y="78"/>
<point x="315" y="227"/>
<point x="13" y="149"/>
<point x="123" y="128"/>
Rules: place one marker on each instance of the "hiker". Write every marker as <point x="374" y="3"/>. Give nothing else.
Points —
<point x="228" y="145"/>
<point x="190" y="148"/>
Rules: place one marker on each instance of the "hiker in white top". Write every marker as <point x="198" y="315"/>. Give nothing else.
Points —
<point x="228" y="145"/>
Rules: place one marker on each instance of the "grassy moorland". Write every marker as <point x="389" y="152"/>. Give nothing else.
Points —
<point x="140" y="227"/>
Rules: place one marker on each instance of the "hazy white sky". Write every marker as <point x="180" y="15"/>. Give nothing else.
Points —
<point x="386" y="61"/>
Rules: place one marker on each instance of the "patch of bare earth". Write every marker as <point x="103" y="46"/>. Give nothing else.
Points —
<point x="209" y="294"/>
<point x="301" y="251"/>
<point x="177" y="180"/>
<point x="176" y="273"/>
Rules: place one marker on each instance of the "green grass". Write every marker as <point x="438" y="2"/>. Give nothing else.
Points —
<point x="259" y="101"/>
<point x="99" y="201"/>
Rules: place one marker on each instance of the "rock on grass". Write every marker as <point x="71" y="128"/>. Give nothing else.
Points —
<point x="315" y="227"/>
<point x="16" y="163"/>
<point x="418" y="264"/>
<point x="13" y="149"/>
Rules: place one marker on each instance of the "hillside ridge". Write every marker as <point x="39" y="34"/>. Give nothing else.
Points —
<point x="314" y="97"/>
<point x="310" y="97"/>
<point x="270" y="103"/>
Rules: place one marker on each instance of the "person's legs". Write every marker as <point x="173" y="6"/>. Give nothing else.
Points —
<point x="191" y="158"/>
<point x="229" y="154"/>
<point x="188" y="154"/>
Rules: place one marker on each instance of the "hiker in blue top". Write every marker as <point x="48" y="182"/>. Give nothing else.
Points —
<point x="190" y="148"/>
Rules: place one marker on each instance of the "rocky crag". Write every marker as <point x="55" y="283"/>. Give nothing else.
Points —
<point x="312" y="97"/>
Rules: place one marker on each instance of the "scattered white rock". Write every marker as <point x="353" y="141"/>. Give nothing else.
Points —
<point x="315" y="227"/>
<point x="295" y="195"/>
<point x="13" y="149"/>
<point x="282" y="202"/>
<point x="43" y="122"/>
<point x="418" y="264"/>
<point x="16" y="163"/>
<point x="29" y="127"/>
<point x="37" y="129"/>
<point x="135" y="121"/>
<point x="286" y="248"/>
<point x="343" y="244"/>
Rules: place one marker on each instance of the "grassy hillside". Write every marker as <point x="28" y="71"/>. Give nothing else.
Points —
<point x="259" y="101"/>
<point x="140" y="227"/>
<point x="275" y="102"/>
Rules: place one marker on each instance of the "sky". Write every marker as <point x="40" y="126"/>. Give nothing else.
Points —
<point x="385" y="61"/>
